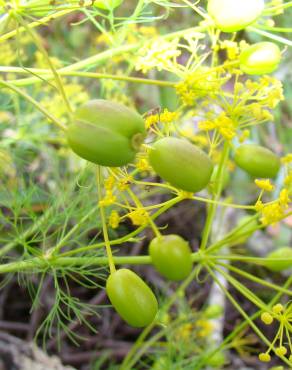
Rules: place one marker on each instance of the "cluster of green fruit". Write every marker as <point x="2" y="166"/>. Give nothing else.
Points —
<point x="110" y="134"/>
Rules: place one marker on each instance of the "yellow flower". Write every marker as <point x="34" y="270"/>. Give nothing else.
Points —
<point x="109" y="183"/>
<point x="166" y="116"/>
<point x="108" y="199"/>
<point x="267" y="318"/>
<point x="244" y="136"/>
<point x="143" y="165"/>
<point x="278" y="308"/>
<point x="264" y="357"/>
<point x="160" y="54"/>
<point x="114" y="220"/>
<point x="224" y="124"/>
<point x="264" y="185"/>
<point x="281" y="351"/>
<point x="284" y="199"/>
<point x="287" y="158"/>
<point x="138" y="217"/>
<point x="151" y="120"/>
<point x="125" y="182"/>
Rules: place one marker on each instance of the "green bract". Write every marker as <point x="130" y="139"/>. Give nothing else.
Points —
<point x="285" y="253"/>
<point x="260" y="58"/>
<point x="234" y="15"/>
<point x="106" y="133"/>
<point x="257" y="160"/>
<point x="172" y="257"/>
<point x="107" y="4"/>
<point x="131" y="297"/>
<point x="181" y="163"/>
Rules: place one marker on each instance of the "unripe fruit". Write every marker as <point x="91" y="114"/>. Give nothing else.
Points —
<point x="106" y="133"/>
<point x="257" y="160"/>
<point x="285" y="253"/>
<point x="181" y="163"/>
<point x="131" y="297"/>
<point x="234" y="15"/>
<point x="172" y="256"/>
<point x="260" y="58"/>
<point x="107" y="4"/>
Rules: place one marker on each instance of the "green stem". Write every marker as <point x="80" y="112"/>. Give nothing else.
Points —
<point x="47" y="74"/>
<point x="101" y="57"/>
<point x="34" y="103"/>
<point x="129" y="236"/>
<point x="270" y="35"/>
<point x="39" y="264"/>
<point x="103" y="220"/>
<point x="249" y="320"/>
<point x="218" y="187"/>
<point x="254" y="278"/>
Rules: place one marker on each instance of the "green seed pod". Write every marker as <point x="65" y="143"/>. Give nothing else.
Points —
<point x="257" y="160"/>
<point x="234" y="15"/>
<point x="285" y="253"/>
<point x="131" y="297"/>
<point x="106" y="133"/>
<point x="260" y="58"/>
<point x="181" y="163"/>
<point x="172" y="256"/>
<point x="107" y="4"/>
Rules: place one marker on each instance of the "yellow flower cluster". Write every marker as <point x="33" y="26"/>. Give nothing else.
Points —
<point x="139" y="217"/>
<point x="274" y="212"/>
<point x="264" y="184"/>
<point x="164" y="117"/>
<point x="199" y="84"/>
<point x="114" y="220"/>
<point x="108" y="200"/>
<point x="160" y="54"/>
<point x="284" y="317"/>
<point x="225" y="125"/>
<point x="142" y="164"/>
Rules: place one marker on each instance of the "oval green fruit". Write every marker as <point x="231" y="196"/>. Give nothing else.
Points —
<point x="284" y="253"/>
<point x="260" y="58"/>
<point x="181" y="163"/>
<point x="234" y="15"/>
<point x="106" y="133"/>
<point x="257" y="160"/>
<point x="107" y="4"/>
<point x="131" y="297"/>
<point x="171" y="255"/>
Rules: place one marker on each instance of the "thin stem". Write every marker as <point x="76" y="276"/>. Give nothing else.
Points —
<point x="218" y="187"/>
<point x="270" y="35"/>
<point x="243" y="313"/>
<point x="103" y="220"/>
<point x="34" y="103"/>
<point x="127" y="237"/>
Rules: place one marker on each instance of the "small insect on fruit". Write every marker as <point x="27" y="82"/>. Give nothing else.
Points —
<point x="106" y="133"/>
<point x="260" y="58"/>
<point x="234" y="15"/>
<point x="284" y="254"/>
<point x="181" y="163"/>
<point x="257" y="160"/>
<point x="171" y="255"/>
<point x="131" y="297"/>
